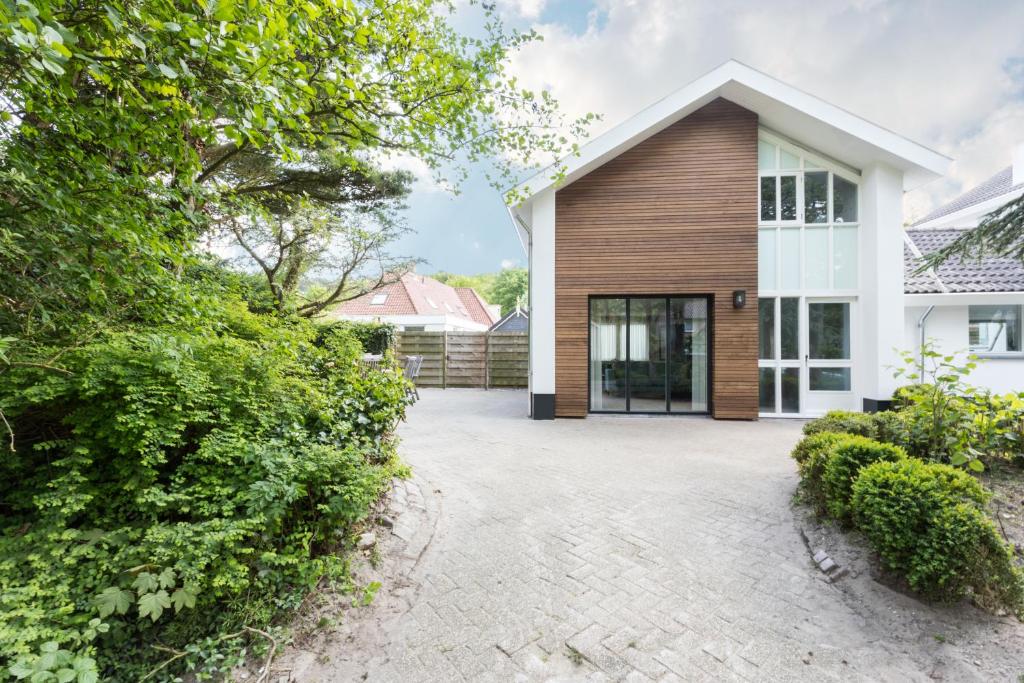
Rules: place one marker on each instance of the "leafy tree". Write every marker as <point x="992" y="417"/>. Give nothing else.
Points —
<point x="510" y="288"/>
<point x="122" y="119"/>
<point x="482" y="283"/>
<point x="349" y="247"/>
<point x="1000" y="233"/>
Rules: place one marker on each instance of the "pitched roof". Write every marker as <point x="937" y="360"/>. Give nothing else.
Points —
<point x="780" y="107"/>
<point x="990" y="274"/>
<point x="476" y="306"/>
<point x="413" y="294"/>
<point x="999" y="184"/>
<point x="516" y="321"/>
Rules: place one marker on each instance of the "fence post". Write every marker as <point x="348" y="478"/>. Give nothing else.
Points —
<point x="444" y="361"/>
<point x="487" y="360"/>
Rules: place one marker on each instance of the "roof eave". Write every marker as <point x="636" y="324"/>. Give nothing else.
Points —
<point x="754" y="90"/>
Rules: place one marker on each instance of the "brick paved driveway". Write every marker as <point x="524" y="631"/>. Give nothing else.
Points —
<point x="630" y="548"/>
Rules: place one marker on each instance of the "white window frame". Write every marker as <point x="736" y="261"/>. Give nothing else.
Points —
<point x="997" y="354"/>
<point x="808" y="162"/>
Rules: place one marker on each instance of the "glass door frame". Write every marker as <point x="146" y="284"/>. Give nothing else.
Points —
<point x="818" y="401"/>
<point x="809" y="407"/>
<point x="709" y="307"/>
<point x="778" y="364"/>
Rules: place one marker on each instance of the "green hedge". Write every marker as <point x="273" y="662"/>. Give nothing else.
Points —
<point x="844" y="421"/>
<point x="843" y="466"/>
<point x="375" y="338"/>
<point x="171" y="486"/>
<point x="927" y="522"/>
<point x="811" y="454"/>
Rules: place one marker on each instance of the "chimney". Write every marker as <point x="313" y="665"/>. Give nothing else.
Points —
<point x="1018" y="165"/>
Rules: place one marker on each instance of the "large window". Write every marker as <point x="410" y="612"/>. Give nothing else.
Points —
<point x="995" y="329"/>
<point x="808" y="238"/>
<point x="649" y="354"/>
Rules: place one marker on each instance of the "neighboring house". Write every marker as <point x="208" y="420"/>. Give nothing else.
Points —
<point x="418" y="302"/>
<point x="969" y="305"/>
<point x="516" y="321"/>
<point x="966" y="210"/>
<point x="735" y="249"/>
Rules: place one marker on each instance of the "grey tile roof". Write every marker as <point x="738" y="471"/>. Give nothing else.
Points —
<point x="999" y="184"/>
<point x="516" y="321"/>
<point x="990" y="274"/>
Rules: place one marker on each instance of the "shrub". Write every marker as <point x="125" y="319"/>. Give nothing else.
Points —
<point x="890" y="427"/>
<point x="844" y="421"/>
<point x="843" y="466"/>
<point x="170" y="486"/>
<point x="375" y="338"/>
<point x="811" y="454"/>
<point x="927" y="522"/>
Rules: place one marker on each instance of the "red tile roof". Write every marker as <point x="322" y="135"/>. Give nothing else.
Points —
<point x="420" y="295"/>
<point x="476" y="306"/>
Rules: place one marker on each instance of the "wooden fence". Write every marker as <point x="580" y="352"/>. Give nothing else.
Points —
<point x="468" y="359"/>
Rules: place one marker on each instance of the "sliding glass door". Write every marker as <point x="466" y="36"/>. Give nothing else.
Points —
<point x="649" y="354"/>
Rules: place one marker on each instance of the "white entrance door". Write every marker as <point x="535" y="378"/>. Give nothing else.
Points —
<point x="828" y="348"/>
<point x="806" y="355"/>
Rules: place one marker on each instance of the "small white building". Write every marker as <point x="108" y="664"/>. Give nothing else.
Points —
<point x="969" y="306"/>
<point x="420" y="303"/>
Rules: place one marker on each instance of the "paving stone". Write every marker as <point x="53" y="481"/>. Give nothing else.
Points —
<point x="658" y="549"/>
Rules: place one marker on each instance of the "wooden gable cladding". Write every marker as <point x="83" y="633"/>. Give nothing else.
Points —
<point x="674" y="215"/>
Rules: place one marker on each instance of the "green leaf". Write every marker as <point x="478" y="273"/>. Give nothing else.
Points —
<point x="976" y="465"/>
<point x="152" y="605"/>
<point x="21" y="670"/>
<point x="224" y="10"/>
<point x="145" y="582"/>
<point x="50" y="35"/>
<point x="182" y="598"/>
<point x="66" y="675"/>
<point x="167" y="578"/>
<point x="112" y="600"/>
<point x="167" y="71"/>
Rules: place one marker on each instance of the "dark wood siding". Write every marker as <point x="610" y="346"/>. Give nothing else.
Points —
<point x="676" y="214"/>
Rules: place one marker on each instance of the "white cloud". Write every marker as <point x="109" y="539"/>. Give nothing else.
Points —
<point x="527" y="9"/>
<point x="945" y="74"/>
<point x="424" y="179"/>
<point x="507" y="263"/>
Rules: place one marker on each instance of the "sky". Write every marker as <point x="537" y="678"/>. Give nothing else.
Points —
<point x="948" y="75"/>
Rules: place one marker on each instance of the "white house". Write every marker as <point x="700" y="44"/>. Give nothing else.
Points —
<point x="736" y="249"/>
<point x="969" y="306"/>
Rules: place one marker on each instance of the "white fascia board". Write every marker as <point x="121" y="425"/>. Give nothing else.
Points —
<point x="782" y="107"/>
<point x="963" y="299"/>
<point x="972" y="214"/>
<point x="522" y="226"/>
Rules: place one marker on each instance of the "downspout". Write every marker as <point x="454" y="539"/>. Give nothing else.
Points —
<point x="920" y="331"/>
<point x="517" y="220"/>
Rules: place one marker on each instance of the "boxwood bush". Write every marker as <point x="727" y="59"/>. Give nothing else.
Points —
<point x="845" y="421"/>
<point x="844" y="464"/>
<point x="811" y="454"/>
<point x="927" y="522"/>
<point x="171" y="486"/>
